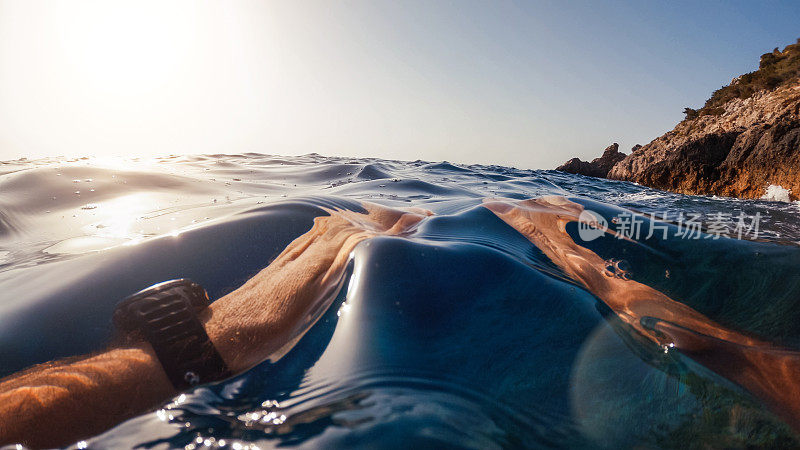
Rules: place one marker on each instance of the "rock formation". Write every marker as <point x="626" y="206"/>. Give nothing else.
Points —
<point x="741" y="142"/>
<point x="754" y="143"/>
<point x="599" y="167"/>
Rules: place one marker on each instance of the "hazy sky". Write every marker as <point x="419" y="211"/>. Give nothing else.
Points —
<point x="527" y="84"/>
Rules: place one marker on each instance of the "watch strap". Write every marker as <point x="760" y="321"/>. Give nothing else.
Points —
<point x="166" y="316"/>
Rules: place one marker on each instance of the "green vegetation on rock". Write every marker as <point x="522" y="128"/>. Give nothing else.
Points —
<point x="774" y="69"/>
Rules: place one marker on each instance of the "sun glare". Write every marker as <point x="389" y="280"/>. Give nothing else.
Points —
<point x="126" y="46"/>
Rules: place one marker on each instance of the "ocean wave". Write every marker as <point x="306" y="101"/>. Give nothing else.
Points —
<point x="489" y="323"/>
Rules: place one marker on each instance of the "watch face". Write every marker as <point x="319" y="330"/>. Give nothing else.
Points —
<point x="165" y="315"/>
<point x="125" y="316"/>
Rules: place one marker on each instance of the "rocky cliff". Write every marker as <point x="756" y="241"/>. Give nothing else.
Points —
<point x="737" y="145"/>
<point x="754" y="143"/>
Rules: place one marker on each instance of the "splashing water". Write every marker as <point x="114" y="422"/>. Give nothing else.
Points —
<point x="493" y="324"/>
<point x="776" y="194"/>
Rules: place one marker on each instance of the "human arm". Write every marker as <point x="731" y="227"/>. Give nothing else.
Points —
<point x="60" y="402"/>
<point x="770" y="372"/>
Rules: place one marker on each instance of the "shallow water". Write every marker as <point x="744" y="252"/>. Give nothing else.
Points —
<point x="465" y="333"/>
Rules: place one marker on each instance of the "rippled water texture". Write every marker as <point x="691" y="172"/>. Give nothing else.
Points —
<point x="492" y="324"/>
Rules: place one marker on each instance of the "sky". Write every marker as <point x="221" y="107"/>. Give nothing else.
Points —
<point x="525" y="84"/>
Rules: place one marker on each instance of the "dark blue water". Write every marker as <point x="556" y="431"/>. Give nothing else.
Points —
<point x="467" y="333"/>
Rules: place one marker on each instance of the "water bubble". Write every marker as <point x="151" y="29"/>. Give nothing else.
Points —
<point x="618" y="268"/>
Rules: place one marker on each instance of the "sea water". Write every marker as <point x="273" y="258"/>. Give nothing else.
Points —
<point x="466" y="333"/>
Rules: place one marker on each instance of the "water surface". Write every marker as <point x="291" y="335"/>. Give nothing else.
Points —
<point x="492" y="325"/>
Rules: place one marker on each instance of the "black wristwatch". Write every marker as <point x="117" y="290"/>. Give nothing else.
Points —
<point x="165" y="315"/>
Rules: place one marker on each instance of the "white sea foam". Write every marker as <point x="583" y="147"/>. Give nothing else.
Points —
<point x="776" y="193"/>
<point x="643" y="196"/>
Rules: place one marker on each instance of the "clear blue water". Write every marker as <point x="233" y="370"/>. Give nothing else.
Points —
<point x="464" y="334"/>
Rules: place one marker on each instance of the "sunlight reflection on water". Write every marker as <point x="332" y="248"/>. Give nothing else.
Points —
<point x="462" y="333"/>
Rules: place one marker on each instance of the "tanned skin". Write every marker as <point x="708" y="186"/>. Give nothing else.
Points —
<point x="61" y="402"/>
<point x="770" y="373"/>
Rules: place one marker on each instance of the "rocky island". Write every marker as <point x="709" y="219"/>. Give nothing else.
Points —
<point x="744" y="139"/>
